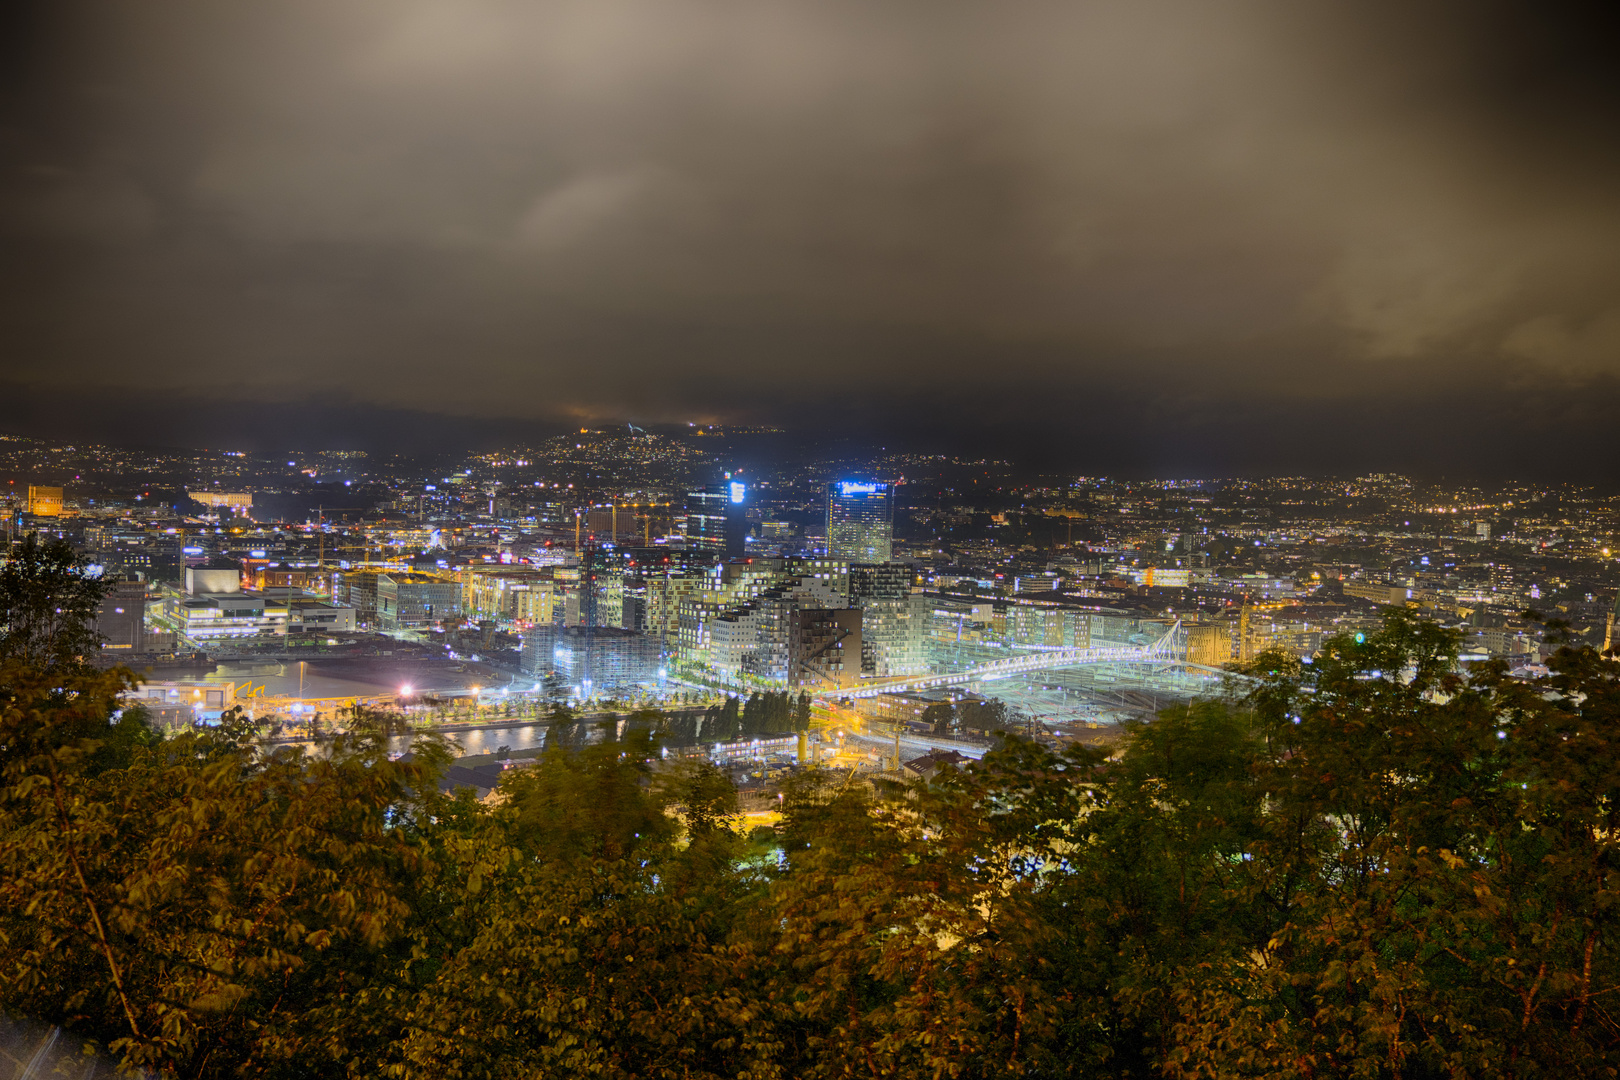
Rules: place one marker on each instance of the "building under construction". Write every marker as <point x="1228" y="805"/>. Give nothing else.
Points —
<point x="592" y="659"/>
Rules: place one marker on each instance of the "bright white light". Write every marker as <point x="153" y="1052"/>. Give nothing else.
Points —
<point x="406" y="690"/>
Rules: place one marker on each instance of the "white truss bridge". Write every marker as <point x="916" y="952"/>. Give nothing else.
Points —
<point x="1167" y="650"/>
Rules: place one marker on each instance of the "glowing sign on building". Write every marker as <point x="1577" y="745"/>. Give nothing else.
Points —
<point x="738" y="491"/>
<point x="849" y="487"/>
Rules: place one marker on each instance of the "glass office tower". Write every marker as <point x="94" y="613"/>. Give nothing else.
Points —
<point x="860" y="521"/>
<point x="706" y="519"/>
<point x="716" y="518"/>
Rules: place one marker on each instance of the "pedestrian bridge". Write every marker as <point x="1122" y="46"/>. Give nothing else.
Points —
<point x="1164" y="651"/>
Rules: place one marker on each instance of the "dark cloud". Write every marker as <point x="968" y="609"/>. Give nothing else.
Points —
<point x="1260" y="234"/>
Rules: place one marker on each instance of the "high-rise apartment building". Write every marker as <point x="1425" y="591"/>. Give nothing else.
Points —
<point x="860" y="521"/>
<point x="894" y="622"/>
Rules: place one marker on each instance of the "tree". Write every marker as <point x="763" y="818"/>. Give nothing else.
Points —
<point x="987" y="715"/>
<point x="48" y="606"/>
<point x="554" y="687"/>
<point x="706" y="795"/>
<point x="1440" y="847"/>
<point x="728" y="724"/>
<point x="151" y="907"/>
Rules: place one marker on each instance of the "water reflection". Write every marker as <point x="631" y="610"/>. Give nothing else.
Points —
<point x="489" y="740"/>
<point x="467" y="743"/>
<point x="518" y="736"/>
<point x="336" y="679"/>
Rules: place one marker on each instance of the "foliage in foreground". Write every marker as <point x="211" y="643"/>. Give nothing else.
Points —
<point x="1402" y="874"/>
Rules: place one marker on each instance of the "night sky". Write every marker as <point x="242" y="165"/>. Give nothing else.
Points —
<point x="1192" y="237"/>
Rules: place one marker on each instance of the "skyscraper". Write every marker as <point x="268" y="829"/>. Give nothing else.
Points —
<point x="736" y="518"/>
<point x="860" y="521"/>
<point x="716" y="519"/>
<point x="706" y="519"/>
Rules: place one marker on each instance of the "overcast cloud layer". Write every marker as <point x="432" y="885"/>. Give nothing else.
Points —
<point x="1192" y="235"/>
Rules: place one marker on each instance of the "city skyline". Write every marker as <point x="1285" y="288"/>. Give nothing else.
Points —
<point x="807" y="538"/>
<point x="1160" y="238"/>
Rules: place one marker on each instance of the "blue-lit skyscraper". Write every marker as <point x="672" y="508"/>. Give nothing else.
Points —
<point x="860" y="521"/>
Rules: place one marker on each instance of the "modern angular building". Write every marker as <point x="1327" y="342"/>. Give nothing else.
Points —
<point x="214" y="577"/>
<point x="398" y="599"/>
<point x="733" y="618"/>
<point x="824" y="648"/>
<point x="860" y="521"/>
<point x="753" y="638"/>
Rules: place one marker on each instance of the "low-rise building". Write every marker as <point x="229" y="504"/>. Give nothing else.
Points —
<point x="410" y="600"/>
